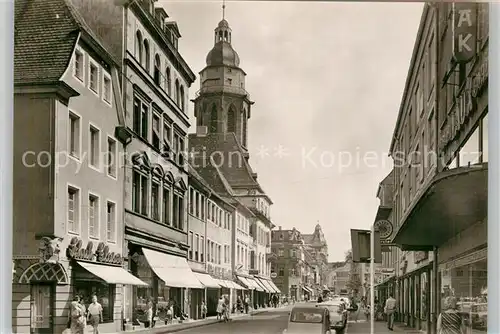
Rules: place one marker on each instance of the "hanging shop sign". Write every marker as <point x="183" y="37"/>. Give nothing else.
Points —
<point x="76" y="251"/>
<point x="464" y="32"/>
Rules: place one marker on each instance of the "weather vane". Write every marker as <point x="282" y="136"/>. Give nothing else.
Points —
<point x="223" y="9"/>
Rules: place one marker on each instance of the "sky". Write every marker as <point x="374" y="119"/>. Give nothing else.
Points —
<point x="327" y="80"/>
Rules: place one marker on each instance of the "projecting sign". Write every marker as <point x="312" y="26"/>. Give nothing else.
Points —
<point x="464" y="32"/>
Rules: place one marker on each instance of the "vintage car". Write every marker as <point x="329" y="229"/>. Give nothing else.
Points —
<point x="338" y="314"/>
<point x="308" y="319"/>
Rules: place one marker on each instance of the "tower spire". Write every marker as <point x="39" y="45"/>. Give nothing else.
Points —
<point x="223" y="9"/>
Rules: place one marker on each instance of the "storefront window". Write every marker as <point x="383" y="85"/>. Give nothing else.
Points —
<point x="105" y="296"/>
<point x="144" y="294"/>
<point x="423" y="296"/>
<point x="484" y="139"/>
<point x="468" y="284"/>
<point x="469" y="153"/>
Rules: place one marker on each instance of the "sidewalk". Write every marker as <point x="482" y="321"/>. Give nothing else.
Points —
<point x="363" y="326"/>
<point x="188" y="324"/>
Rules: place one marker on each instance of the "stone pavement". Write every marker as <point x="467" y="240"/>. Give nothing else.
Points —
<point x="172" y="328"/>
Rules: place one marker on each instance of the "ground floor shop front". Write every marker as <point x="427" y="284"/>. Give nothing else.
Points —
<point x="459" y="269"/>
<point x="43" y="288"/>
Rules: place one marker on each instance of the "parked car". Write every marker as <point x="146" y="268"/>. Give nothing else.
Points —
<point x="308" y="319"/>
<point x="338" y="315"/>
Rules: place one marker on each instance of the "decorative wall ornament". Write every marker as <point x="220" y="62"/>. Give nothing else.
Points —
<point x="49" y="249"/>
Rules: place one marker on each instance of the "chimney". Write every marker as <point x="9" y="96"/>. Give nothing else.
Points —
<point x="279" y="228"/>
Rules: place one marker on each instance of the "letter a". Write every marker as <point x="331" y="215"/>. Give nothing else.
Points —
<point x="464" y="15"/>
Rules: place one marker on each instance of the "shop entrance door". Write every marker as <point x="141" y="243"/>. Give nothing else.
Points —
<point x="42" y="308"/>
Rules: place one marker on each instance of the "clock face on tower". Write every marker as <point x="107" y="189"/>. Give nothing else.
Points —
<point x="384" y="228"/>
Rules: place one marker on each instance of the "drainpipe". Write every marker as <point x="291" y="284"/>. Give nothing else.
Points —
<point x="435" y="281"/>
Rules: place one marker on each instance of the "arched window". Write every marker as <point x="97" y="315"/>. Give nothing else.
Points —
<point x="138" y="46"/>
<point x="146" y="55"/>
<point x="213" y="119"/>
<point x="182" y="98"/>
<point x="231" y="120"/>
<point x="156" y="74"/>
<point x="168" y="82"/>
<point x="244" y="130"/>
<point x="177" y="92"/>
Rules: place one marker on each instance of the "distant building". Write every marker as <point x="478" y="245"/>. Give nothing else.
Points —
<point x="291" y="264"/>
<point x="317" y="246"/>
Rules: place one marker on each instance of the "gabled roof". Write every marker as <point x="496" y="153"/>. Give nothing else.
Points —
<point x="45" y="35"/>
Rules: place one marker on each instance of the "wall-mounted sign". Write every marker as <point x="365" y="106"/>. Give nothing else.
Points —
<point x="76" y="251"/>
<point x="465" y="104"/>
<point x="274" y="275"/>
<point x="464" y="30"/>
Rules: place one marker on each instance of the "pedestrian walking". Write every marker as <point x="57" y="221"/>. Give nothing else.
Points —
<point x="148" y="322"/>
<point x="389" y="310"/>
<point x="77" y="316"/>
<point x="94" y="314"/>
<point x="246" y="304"/>
<point x="203" y="310"/>
<point x="220" y="307"/>
<point x="450" y="321"/>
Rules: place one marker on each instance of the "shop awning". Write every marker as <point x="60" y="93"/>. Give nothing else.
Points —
<point x="245" y="282"/>
<point x="275" y="287"/>
<point x="308" y="289"/>
<point x="254" y="283"/>
<point x="268" y="285"/>
<point x="173" y="270"/>
<point x="263" y="285"/>
<point x="236" y="286"/>
<point x="456" y="199"/>
<point x="112" y="275"/>
<point x="207" y="280"/>
<point x="222" y="283"/>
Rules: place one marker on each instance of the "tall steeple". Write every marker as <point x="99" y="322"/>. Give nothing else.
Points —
<point x="222" y="105"/>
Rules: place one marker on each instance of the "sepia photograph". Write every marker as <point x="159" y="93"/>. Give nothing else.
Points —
<point x="250" y="167"/>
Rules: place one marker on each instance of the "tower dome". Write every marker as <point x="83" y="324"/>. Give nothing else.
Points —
<point x="223" y="53"/>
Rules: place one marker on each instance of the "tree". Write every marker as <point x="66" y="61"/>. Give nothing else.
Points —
<point x="354" y="283"/>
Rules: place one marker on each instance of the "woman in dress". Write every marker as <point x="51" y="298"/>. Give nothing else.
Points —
<point x="450" y="321"/>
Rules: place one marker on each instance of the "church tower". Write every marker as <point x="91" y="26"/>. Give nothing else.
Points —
<point x="222" y="105"/>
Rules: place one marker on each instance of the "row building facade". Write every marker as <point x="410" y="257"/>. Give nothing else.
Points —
<point x="437" y="244"/>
